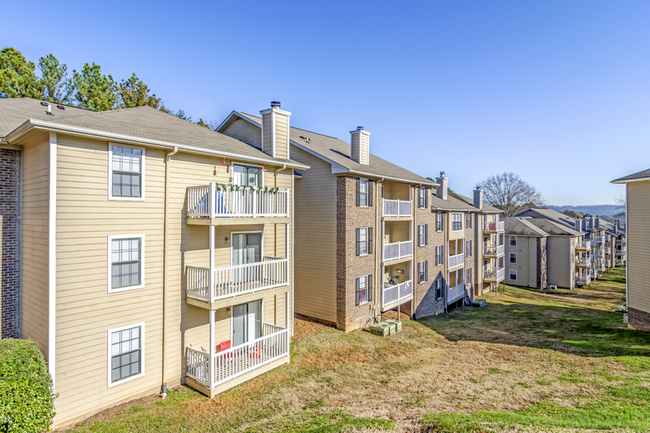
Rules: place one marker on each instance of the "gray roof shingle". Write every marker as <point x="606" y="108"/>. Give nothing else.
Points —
<point x="645" y="174"/>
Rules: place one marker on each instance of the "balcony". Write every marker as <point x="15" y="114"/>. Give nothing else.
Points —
<point x="583" y="246"/>
<point x="217" y="205"/>
<point x="601" y="239"/>
<point x="494" y="275"/>
<point x="394" y="295"/>
<point x="583" y="280"/>
<point x="494" y="226"/>
<point x="455" y="261"/>
<point x="455" y="293"/>
<point x="620" y="242"/>
<point x="608" y="250"/>
<point x="231" y="363"/>
<point x="608" y="238"/>
<point x="493" y="250"/>
<point x="398" y="250"/>
<point x="583" y="262"/>
<point x="234" y="281"/>
<point x="397" y="208"/>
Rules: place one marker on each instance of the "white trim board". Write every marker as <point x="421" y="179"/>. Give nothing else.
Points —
<point x="110" y="263"/>
<point x="110" y="173"/>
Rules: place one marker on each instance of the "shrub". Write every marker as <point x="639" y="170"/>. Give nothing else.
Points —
<point x="26" y="397"/>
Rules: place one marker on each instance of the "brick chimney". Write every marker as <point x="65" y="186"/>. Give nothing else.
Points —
<point x="275" y="131"/>
<point x="360" y="146"/>
<point x="478" y="198"/>
<point x="443" y="186"/>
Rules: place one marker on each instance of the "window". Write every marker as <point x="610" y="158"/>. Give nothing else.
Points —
<point x="423" y="197"/>
<point x="125" y="173"/>
<point x="513" y="257"/>
<point x="468" y="221"/>
<point x="423" y="235"/>
<point x="513" y="241"/>
<point x="364" y="289"/>
<point x="423" y="271"/>
<point x="364" y="241"/>
<point x="244" y="175"/>
<point x="438" y="286"/>
<point x="469" y="276"/>
<point x="125" y="353"/>
<point x="439" y="257"/>
<point x="513" y="274"/>
<point x="438" y="221"/>
<point x="456" y="222"/>
<point x="125" y="263"/>
<point x="468" y="248"/>
<point x="364" y="192"/>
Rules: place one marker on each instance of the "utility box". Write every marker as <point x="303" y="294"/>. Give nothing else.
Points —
<point x="392" y="328"/>
<point x="396" y="323"/>
<point x="480" y="303"/>
<point x="382" y="329"/>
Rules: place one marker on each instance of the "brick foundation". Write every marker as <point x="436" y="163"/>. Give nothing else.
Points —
<point x="9" y="243"/>
<point x="638" y="319"/>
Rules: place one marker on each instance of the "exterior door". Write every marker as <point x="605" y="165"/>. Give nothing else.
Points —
<point x="246" y="248"/>
<point x="246" y="322"/>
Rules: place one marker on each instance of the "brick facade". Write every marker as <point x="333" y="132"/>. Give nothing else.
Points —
<point x="638" y="319"/>
<point x="349" y="266"/>
<point x="542" y="263"/>
<point x="9" y="243"/>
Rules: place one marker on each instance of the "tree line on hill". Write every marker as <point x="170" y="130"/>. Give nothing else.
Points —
<point x="88" y="88"/>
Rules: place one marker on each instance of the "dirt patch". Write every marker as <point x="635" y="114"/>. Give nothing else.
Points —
<point x="304" y="327"/>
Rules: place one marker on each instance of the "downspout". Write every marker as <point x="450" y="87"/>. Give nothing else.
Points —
<point x="379" y="282"/>
<point x="163" y="390"/>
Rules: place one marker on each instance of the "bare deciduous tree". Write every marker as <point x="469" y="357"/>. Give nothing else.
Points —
<point x="621" y="200"/>
<point x="510" y="193"/>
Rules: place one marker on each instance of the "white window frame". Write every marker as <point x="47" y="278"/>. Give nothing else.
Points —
<point x="437" y="285"/>
<point x="110" y="263"/>
<point x="510" y="275"/>
<point x="510" y="258"/>
<point x="362" y="278"/>
<point x="511" y="238"/>
<point x="453" y="214"/>
<point x="109" y="364"/>
<point x="422" y="235"/>
<point x="366" y="243"/>
<point x="110" y="173"/>
<point x="232" y="165"/>
<point x="440" y="221"/>
<point x="239" y="232"/>
<point x="363" y="181"/>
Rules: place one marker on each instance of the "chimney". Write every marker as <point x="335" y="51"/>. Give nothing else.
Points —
<point x="597" y="222"/>
<point x="591" y="223"/>
<point x="579" y="225"/>
<point x="478" y="198"/>
<point x="443" y="185"/>
<point x="275" y="131"/>
<point x="360" y="146"/>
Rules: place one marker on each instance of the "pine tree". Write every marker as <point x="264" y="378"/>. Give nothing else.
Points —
<point x="56" y="87"/>
<point x="134" y="93"/>
<point x="17" y="76"/>
<point x="94" y="90"/>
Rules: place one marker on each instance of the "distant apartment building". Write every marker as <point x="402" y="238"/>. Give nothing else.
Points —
<point x="637" y="227"/>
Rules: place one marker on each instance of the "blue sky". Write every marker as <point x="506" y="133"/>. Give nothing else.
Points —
<point x="555" y="91"/>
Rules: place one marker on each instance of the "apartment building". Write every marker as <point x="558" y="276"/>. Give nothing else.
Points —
<point x="365" y="237"/>
<point x="541" y="252"/>
<point x="141" y="251"/>
<point x="637" y="189"/>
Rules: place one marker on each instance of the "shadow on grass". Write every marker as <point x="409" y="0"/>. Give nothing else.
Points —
<point x="581" y="331"/>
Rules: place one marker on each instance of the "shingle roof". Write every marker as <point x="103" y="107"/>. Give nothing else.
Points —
<point x="645" y="174"/>
<point x="523" y="226"/>
<point x="142" y="122"/>
<point x="338" y="152"/>
<point x="486" y="207"/>
<point x="452" y="203"/>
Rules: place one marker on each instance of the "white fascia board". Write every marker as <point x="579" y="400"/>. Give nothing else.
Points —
<point x="236" y="114"/>
<point x="129" y="139"/>
<point x="396" y="179"/>
<point x="623" y="182"/>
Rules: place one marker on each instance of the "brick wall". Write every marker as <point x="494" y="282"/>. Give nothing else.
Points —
<point x="638" y="319"/>
<point x="349" y="266"/>
<point x="9" y="243"/>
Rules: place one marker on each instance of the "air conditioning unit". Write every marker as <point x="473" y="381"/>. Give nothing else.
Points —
<point x="552" y="287"/>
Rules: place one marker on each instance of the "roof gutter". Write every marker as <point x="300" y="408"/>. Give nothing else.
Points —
<point x="86" y="132"/>
<point x="397" y="179"/>
<point x="623" y="182"/>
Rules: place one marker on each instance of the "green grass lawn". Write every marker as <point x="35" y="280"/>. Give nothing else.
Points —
<point x="530" y="361"/>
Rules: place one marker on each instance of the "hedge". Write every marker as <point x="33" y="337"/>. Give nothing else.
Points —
<point x="26" y="398"/>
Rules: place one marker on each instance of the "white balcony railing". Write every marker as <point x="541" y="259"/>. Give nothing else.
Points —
<point x="236" y="280"/>
<point x="584" y="280"/>
<point x="494" y="274"/>
<point x="583" y="261"/>
<point x="494" y="250"/>
<point x="398" y="208"/>
<point x="608" y="250"/>
<point x="398" y="250"/>
<point x="455" y="261"/>
<point x="608" y="238"/>
<point x="585" y="245"/>
<point x="455" y="293"/>
<point x="396" y="293"/>
<point x="233" y="362"/>
<point x="494" y="226"/>
<point x="236" y="201"/>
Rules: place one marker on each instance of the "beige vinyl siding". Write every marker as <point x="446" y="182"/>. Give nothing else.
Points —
<point x="399" y="191"/>
<point x="526" y="265"/>
<point x="638" y="271"/>
<point x="35" y="245"/>
<point x="267" y="134"/>
<point x="85" y="310"/>
<point x="398" y="231"/>
<point x="315" y="227"/>
<point x="281" y="139"/>
<point x="560" y="271"/>
<point x="243" y="130"/>
<point x="365" y="149"/>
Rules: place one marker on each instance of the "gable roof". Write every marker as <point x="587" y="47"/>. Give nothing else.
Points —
<point x="337" y="153"/>
<point x="144" y="125"/>
<point x="641" y="175"/>
<point x="523" y="226"/>
<point x="551" y="214"/>
<point x="538" y="227"/>
<point x="452" y="203"/>
<point x="486" y="207"/>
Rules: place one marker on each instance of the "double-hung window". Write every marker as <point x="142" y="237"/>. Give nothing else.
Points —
<point x="513" y="257"/>
<point x="244" y="175"/>
<point x="423" y="197"/>
<point x="468" y="221"/>
<point x="513" y="241"/>
<point x="364" y="289"/>
<point x="125" y="353"/>
<point x="438" y="284"/>
<point x="423" y="271"/>
<point x="468" y="248"/>
<point x="364" y="192"/>
<point x="439" y="251"/>
<point x="456" y="222"/>
<point x="438" y="221"/>
<point x="423" y="235"/>
<point x="125" y="172"/>
<point x="513" y="274"/>
<point x="364" y="241"/>
<point x="126" y="263"/>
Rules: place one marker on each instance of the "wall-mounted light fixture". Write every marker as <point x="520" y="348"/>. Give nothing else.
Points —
<point x="400" y="271"/>
<point x="227" y="239"/>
